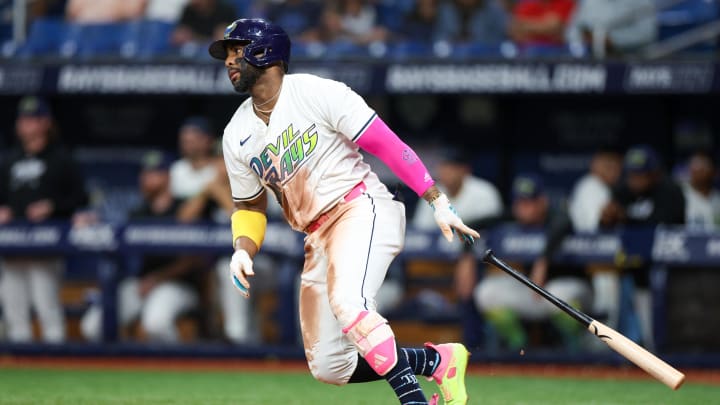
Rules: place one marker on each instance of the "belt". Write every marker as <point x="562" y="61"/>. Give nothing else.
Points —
<point x="322" y="218"/>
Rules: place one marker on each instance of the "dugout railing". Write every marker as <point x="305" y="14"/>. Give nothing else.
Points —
<point x="661" y="249"/>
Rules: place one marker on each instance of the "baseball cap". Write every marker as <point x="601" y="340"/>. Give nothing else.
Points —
<point x="455" y="155"/>
<point x="526" y="186"/>
<point x="155" y="160"/>
<point x="641" y="159"/>
<point x="31" y="106"/>
<point x="200" y="123"/>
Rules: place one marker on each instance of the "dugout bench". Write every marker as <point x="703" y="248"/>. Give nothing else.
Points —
<point x="661" y="248"/>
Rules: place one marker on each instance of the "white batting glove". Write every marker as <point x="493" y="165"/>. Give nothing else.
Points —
<point x="449" y="222"/>
<point x="240" y="268"/>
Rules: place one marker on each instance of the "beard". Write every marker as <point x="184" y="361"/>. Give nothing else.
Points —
<point x="249" y="75"/>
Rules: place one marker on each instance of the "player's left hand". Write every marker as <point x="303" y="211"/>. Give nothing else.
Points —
<point x="449" y="222"/>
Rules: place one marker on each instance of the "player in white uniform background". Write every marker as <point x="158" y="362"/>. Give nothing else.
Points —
<point x="297" y="137"/>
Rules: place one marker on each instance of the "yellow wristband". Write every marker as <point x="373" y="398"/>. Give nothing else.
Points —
<point x="250" y="224"/>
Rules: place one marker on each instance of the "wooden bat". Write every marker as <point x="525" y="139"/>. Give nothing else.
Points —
<point x="626" y="347"/>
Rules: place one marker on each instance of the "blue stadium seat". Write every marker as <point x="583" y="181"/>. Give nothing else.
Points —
<point x="474" y="50"/>
<point x="292" y="23"/>
<point x="689" y="12"/>
<point x="44" y="39"/>
<point x="545" y="51"/>
<point x="54" y="37"/>
<point x="301" y="50"/>
<point x="5" y="31"/>
<point x="687" y="15"/>
<point x="242" y="7"/>
<point x="8" y="47"/>
<point x="153" y="38"/>
<point x="342" y="49"/>
<point x="391" y="14"/>
<point x="97" y="40"/>
<point x="404" y="50"/>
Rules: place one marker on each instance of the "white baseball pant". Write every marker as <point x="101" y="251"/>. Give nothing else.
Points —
<point x="346" y="260"/>
<point x="502" y="291"/>
<point x="32" y="282"/>
<point x="158" y="310"/>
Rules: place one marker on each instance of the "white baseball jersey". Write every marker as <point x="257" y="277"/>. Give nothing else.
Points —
<point x="701" y="212"/>
<point x="306" y="154"/>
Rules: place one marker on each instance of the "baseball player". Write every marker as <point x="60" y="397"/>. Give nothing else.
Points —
<point x="297" y="136"/>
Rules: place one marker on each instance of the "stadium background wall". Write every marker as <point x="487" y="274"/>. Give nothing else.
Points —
<point x="501" y="124"/>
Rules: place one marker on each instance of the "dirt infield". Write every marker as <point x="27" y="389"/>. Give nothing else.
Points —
<point x="275" y="366"/>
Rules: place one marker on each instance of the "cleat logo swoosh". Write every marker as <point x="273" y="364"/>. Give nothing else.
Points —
<point x="245" y="140"/>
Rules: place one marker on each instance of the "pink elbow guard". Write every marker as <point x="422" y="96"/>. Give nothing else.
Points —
<point x="381" y="141"/>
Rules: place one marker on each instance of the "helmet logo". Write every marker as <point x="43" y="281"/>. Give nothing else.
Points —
<point x="230" y="28"/>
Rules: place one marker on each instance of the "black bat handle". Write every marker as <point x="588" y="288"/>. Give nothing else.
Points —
<point x="581" y="317"/>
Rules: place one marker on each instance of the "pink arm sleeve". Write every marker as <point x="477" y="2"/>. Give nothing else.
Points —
<point x="381" y="142"/>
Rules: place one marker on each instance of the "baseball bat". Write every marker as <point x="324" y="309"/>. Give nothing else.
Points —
<point x="626" y="347"/>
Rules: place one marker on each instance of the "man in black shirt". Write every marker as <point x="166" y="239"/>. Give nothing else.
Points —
<point x="647" y="197"/>
<point x="38" y="182"/>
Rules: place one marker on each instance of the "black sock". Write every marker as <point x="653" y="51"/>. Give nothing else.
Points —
<point x="402" y="380"/>
<point x="422" y="361"/>
<point x="363" y="373"/>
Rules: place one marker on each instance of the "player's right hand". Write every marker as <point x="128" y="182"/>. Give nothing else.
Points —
<point x="240" y="269"/>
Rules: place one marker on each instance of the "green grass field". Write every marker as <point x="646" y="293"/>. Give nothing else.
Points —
<point x="92" y="387"/>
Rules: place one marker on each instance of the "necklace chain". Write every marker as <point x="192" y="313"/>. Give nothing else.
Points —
<point x="264" y="112"/>
<point x="267" y="112"/>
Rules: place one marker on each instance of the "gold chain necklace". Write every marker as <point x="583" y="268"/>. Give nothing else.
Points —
<point x="257" y="106"/>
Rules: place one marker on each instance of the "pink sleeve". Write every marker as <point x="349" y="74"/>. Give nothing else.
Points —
<point x="381" y="141"/>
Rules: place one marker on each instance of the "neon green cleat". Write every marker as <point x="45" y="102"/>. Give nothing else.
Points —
<point x="450" y="374"/>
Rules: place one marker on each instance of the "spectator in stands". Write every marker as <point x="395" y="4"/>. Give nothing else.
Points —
<point x="477" y="200"/>
<point x="540" y="22"/>
<point x="196" y="167"/>
<point x="202" y="21"/>
<point x="166" y="286"/>
<point x="350" y="21"/>
<point x="646" y="197"/>
<point x="104" y="11"/>
<point x="200" y="181"/>
<point x="701" y="196"/>
<point x="297" y="17"/>
<point x="505" y="302"/>
<point x="34" y="9"/>
<point x="587" y="200"/>
<point x="421" y="23"/>
<point x="165" y="10"/>
<point x="39" y="181"/>
<point x="239" y="324"/>
<point x="508" y="5"/>
<point x="594" y="190"/>
<point x="483" y="21"/>
<point x="613" y="26"/>
<point x="216" y="193"/>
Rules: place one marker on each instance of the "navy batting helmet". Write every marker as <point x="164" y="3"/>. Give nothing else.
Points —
<point x="265" y="43"/>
